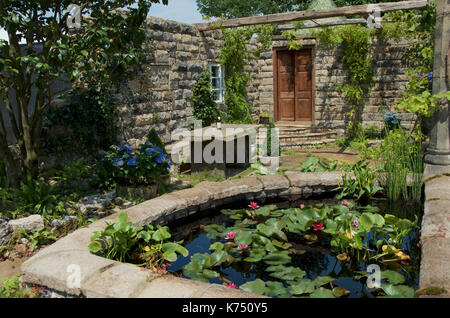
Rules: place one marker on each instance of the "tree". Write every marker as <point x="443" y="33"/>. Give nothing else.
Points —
<point x="230" y="9"/>
<point x="237" y="9"/>
<point x="42" y="47"/>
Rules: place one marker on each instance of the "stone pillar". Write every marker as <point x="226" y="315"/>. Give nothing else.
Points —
<point x="438" y="153"/>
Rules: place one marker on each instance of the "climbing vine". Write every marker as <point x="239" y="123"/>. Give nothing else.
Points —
<point x="235" y="55"/>
<point x="355" y="43"/>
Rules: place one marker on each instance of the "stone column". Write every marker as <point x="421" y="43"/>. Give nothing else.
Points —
<point x="438" y="153"/>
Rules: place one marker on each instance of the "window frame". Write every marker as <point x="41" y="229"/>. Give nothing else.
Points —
<point x="220" y="79"/>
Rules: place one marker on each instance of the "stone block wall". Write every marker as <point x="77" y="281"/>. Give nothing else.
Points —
<point x="159" y="95"/>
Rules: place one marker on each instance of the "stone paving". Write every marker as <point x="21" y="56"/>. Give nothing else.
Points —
<point x="435" y="237"/>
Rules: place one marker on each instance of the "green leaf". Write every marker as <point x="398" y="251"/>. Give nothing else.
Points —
<point x="218" y="246"/>
<point x="95" y="246"/>
<point x="303" y="286"/>
<point x="277" y="258"/>
<point x="323" y="280"/>
<point x="217" y="258"/>
<point x="210" y="274"/>
<point x="161" y="234"/>
<point x="399" y="291"/>
<point x="257" y="286"/>
<point x="322" y="293"/>
<point x="393" y="277"/>
<point x="340" y="291"/>
<point x="243" y="237"/>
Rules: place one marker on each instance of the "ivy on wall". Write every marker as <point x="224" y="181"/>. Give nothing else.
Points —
<point x="235" y="55"/>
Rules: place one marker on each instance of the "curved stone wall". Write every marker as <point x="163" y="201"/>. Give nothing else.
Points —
<point x="101" y="277"/>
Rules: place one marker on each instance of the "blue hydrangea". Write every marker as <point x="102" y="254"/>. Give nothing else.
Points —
<point x="118" y="162"/>
<point x="161" y="158"/>
<point x="126" y="148"/>
<point x="132" y="162"/>
<point x="152" y="150"/>
<point x="148" y="143"/>
<point x="430" y="77"/>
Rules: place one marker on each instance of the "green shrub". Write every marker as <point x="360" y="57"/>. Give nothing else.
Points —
<point x="155" y="140"/>
<point x="205" y="108"/>
<point x="122" y="241"/>
<point x="271" y="140"/>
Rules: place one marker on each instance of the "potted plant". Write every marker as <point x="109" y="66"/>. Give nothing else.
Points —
<point x="271" y="150"/>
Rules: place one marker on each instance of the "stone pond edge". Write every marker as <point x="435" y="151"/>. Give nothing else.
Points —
<point x="57" y="266"/>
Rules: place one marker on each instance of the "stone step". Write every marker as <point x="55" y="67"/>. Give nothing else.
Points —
<point x="300" y="145"/>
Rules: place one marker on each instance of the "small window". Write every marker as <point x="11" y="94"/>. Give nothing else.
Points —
<point x="218" y="82"/>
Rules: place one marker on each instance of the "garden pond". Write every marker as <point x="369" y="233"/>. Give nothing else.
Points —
<point x="307" y="249"/>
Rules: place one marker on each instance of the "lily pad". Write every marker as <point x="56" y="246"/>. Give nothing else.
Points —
<point x="257" y="286"/>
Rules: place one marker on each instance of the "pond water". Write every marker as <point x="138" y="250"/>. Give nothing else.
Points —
<point x="317" y="260"/>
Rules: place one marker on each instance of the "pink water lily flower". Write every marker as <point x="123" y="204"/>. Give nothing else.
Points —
<point x="242" y="246"/>
<point x="230" y="235"/>
<point x="345" y="202"/>
<point x="355" y="222"/>
<point x="318" y="226"/>
<point x="254" y="205"/>
<point x="231" y="285"/>
<point x="302" y="206"/>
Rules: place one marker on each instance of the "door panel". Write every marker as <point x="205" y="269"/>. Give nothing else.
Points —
<point x="294" y="85"/>
<point x="286" y="86"/>
<point x="303" y="85"/>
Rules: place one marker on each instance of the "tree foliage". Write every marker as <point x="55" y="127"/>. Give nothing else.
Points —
<point x="99" y="52"/>
<point x="230" y="9"/>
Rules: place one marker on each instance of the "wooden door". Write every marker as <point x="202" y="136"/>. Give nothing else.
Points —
<point x="294" y="85"/>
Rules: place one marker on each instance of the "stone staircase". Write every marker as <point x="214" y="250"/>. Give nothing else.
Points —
<point x="295" y="137"/>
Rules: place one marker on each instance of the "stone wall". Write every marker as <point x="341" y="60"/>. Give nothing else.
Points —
<point x="159" y="95"/>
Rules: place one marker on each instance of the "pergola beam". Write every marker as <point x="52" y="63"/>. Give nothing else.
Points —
<point x="363" y="9"/>
<point x="318" y="24"/>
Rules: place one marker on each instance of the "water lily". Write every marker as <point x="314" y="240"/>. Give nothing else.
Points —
<point x="346" y="203"/>
<point x="355" y="222"/>
<point x="318" y="226"/>
<point x="302" y="206"/>
<point x="230" y="235"/>
<point x="254" y="205"/>
<point x="242" y="246"/>
<point x="231" y="285"/>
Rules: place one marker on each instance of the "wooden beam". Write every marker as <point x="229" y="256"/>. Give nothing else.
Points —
<point x="318" y="24"/>
<point x="363" y="9"/>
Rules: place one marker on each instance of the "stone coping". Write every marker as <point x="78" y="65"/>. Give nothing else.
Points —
<point x="53" y="267"/>
<point x="434" y="278"/>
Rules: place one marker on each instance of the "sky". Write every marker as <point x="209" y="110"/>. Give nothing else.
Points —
<point x="178" y="10"/>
